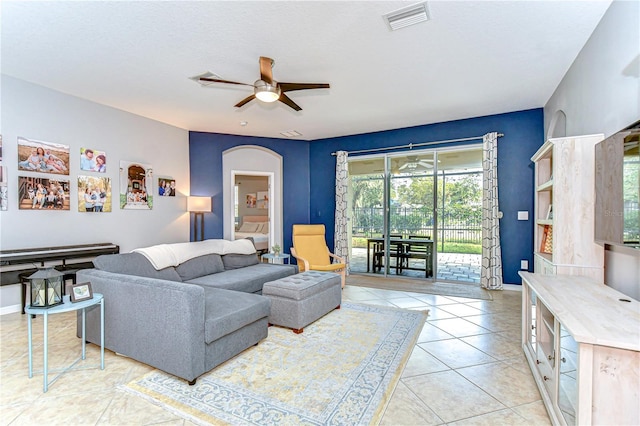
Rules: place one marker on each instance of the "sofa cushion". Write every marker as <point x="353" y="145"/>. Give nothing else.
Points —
<point x="235" y="261"/>
<point x="200" y="266"/>
<point x="249" y="279"/>
<point x="227" y="311"/>
<point x="134" y="264"/>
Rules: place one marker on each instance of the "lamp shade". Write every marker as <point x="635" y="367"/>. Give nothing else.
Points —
<point x="199" y="204"/>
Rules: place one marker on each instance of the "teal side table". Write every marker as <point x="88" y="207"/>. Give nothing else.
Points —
<point x="65" y="307"/>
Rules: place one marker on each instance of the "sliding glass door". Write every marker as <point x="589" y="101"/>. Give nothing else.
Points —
<point x="417" y="214"/>
<point x="392" y="214"/>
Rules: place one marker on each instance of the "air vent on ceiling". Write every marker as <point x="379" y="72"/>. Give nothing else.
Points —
<point x="207" y="74"/>
<point x="291" y="133"/>
<point x="406" y="16"/>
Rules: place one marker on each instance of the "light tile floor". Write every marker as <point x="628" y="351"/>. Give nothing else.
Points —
<point x="466" y="368"/>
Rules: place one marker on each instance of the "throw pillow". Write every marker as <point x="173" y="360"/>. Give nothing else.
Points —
<point x="249" y="227"/>
<point x="134" y="264"/>
<point x="235" y="261"/>
<point x="200" y="266"/>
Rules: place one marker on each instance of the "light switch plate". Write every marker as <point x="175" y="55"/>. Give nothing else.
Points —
<point x="523" y="215"/>
<point x="524" y="264"/>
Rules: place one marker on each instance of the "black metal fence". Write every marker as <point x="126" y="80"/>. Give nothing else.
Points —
<point x="459" y="227"/>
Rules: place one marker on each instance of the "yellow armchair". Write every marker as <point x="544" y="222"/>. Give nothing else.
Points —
<point x="311" y="251"/>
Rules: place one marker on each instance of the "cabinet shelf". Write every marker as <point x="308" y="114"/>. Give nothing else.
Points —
<point x="565" y="180"/>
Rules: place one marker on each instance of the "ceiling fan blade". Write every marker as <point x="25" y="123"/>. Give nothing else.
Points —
<point x="287" y="100"/>
<point x="289" y="87"/>
<point x="245" y="100"/>
<point x="216" y="80"/>
<point x="266" y="73"/>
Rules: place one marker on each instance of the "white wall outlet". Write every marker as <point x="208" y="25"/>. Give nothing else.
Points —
<point x="524" y="264"/>
<point x="523" y="215"/>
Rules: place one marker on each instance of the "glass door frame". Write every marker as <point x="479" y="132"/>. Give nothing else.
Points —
<point x="387" y="205"/>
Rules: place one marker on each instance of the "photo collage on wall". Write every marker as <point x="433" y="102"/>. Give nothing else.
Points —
<point x="94" y="192"/>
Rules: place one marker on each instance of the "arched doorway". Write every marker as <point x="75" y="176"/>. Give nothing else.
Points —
<point x="264" y="165"/>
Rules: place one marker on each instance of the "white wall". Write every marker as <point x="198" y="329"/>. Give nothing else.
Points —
<point x="601" y="94"/>
<point x="38" y="113"/>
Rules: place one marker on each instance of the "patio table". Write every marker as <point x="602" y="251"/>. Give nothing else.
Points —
<point x="413" y="248"/>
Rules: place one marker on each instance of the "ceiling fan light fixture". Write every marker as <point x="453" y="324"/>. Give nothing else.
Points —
<point x="266" y="92"/>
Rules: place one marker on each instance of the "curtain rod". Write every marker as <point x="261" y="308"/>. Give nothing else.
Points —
<point x="415" y="145"/>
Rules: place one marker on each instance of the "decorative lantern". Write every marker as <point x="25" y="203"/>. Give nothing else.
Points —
<point x="46" y="288"/>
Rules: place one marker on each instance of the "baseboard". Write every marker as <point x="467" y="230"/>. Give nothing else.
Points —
<point x="10" y="309"/>
<point x="512" y="287"/>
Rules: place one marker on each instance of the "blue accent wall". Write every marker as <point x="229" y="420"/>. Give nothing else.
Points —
<point x="309" y="173"/>
<point x="205" y="154"/>
<point x="523" y="135"/>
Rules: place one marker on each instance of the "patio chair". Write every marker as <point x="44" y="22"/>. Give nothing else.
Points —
<point x="420" y="251"/>
<point x="311" y="251"/>
<point x="397" y="250"/>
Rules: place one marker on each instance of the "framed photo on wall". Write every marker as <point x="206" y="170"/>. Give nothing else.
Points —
<point x="167" y="187"/>
<point x="92" y="160"/>
<point x="251" y="200"/>
<point x="136" y="186"/>
<point x="263" y="199"/>
<point x="42" y="157"/>
<point x="94" y="194"/>
<point x="4" y="189"/>
<point x="36" y="193"/>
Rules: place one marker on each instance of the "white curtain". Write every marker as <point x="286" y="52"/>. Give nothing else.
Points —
<point x="341" y="245"/>
<point x="491" y="273"/>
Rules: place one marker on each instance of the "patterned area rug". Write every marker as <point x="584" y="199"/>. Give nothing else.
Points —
<point x="341" y="370"/>
<point x="471" y="291"/>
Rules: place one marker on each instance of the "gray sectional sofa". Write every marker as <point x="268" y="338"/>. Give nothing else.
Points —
<point x="186" y="318"/>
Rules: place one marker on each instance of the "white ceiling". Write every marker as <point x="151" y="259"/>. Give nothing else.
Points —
<point x="472" y="59"/>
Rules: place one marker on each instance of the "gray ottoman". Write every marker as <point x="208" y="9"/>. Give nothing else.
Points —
<point x="298" y="300"/>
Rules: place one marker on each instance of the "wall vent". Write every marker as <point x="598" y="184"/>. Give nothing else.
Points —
<point x="406" y="16"/>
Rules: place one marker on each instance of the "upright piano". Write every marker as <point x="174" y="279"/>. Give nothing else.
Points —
<point x="14" y="262"/>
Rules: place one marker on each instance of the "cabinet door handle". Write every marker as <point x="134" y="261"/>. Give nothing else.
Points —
<point x="533" y="327"/>
<point x="563" y="359"/>
<point x="537" y="361"/>
<point x="545" y="378"/>
<point x="550" y="357"/>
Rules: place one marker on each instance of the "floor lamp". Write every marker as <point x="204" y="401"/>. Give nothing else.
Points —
<point x="198" y="206"/>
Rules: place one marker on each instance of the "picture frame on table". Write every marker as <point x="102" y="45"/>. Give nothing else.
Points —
<point x="80" y="292"/>
<point x="550" y="212"/>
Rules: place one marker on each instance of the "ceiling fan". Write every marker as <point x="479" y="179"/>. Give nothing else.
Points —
<point x="267" y="89"/>
<point x="413" y="163"/>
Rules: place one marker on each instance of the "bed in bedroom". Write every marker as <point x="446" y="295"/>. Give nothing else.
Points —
<point x="256" y="227"/>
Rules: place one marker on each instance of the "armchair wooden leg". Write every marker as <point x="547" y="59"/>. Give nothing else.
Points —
<point x="343" y="277"/>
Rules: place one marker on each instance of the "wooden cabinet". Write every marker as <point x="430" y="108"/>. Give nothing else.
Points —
<point x="564" y="208"/>
<point x="582" y="342"/>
